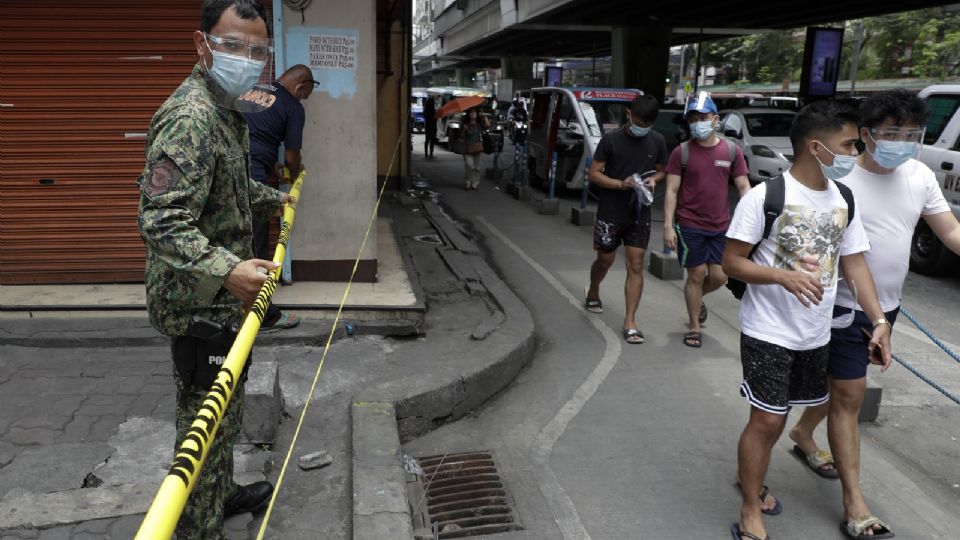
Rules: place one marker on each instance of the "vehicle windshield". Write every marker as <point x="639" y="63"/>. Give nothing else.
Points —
<point x="604" y="116"/>
<point x="769" y="125"/>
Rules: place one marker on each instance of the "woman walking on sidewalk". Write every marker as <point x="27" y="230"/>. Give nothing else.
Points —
<point x="470" y="136"/>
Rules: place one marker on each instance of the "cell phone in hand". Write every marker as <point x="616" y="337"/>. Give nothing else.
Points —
<point x="876" y="357"/>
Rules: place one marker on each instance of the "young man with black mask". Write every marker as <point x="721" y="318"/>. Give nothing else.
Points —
<point x="621" y="219"/>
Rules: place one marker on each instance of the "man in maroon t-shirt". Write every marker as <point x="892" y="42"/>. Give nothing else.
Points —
<point x="697" y="192"/>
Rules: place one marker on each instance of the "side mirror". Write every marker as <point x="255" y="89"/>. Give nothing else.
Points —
<point x="732" y="133"/>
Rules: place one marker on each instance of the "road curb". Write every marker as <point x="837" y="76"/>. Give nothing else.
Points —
<point x="416" y="405"/>
<point x="137" y="332"/>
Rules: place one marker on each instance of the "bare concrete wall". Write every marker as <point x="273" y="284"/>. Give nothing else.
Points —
<point x="339" y="147"/>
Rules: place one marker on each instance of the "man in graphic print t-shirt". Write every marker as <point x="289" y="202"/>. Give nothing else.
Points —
<point x="786" y="312"/>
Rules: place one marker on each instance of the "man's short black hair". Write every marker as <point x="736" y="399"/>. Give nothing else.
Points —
<point x="645" y="107"/>
<point x="820" y="118"/>
<point x="212" y="10"/>
<point x="899" y="105"/>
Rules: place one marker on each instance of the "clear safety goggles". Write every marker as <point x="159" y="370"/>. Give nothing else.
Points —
<point x="898" y="135"/>
<point x="262" y="51"/>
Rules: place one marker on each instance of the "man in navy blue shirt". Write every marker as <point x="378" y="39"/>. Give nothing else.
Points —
<point x="282" y="123"/>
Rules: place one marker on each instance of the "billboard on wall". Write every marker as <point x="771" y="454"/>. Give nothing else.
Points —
<point x="821" y="62"/>
<point x="553" y="76"/>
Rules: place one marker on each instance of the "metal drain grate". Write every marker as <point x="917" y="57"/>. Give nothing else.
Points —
<point x="462" y="495"/>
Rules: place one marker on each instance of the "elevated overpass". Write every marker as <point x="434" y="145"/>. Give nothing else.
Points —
<point x="637" y="34"/>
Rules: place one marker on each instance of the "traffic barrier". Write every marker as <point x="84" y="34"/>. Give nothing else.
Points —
<point x="164" y="512"/>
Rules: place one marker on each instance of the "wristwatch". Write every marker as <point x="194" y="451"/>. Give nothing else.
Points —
<point x="881" y="320"/>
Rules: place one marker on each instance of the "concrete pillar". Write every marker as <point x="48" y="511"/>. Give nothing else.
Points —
<point x="464" y="77"/>
<point x="516" y="67"/>
<point x="640" y="56"/>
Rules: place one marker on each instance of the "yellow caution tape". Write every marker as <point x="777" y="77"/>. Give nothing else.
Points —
<point x="164" y="512"/>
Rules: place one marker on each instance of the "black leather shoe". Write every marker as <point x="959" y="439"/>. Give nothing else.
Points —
<point x="250" y="498"/>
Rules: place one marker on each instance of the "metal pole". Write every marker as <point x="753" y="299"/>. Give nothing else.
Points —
<point x="855" y="61"/>
<point x="586" y="183"/>
<point x="553" y="174"/>
<point x="696" y="73"/>
<point x="516" y="165"/>
<point x="523" y="166"/>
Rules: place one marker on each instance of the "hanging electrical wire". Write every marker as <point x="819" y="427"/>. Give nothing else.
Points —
<point x="300" y="5"/>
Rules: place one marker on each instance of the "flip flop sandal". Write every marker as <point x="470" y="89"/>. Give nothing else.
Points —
<point x="857" y="527"/>
<point x="633" y="336"/>
<point x="816" y="460"/>
<point x="703" y="314"/>
<point x="593" y="305"/>
<point x="777" y="505"/>
<point x="693" y="339"/>
<point x="740" y="534"/>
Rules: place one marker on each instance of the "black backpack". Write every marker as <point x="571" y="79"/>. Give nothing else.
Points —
<point x="772" y="208"/>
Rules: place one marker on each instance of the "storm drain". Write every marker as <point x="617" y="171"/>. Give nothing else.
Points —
<point x="460" y="495"/>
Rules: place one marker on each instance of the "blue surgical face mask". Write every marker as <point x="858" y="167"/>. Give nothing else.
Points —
<point x="842" y="164"/>
<point x="234" y="74"/>
<point x="638" y="131"/>
<point x="892" y="154"/>
<point x="701" y="130"/>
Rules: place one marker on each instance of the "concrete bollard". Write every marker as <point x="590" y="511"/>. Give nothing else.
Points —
<point x="549" y="207"/>
<point x="582" y="217"/>
<point x="665" y="266"/>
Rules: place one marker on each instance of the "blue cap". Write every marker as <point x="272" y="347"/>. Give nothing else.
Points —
<point x="700" y="103"/>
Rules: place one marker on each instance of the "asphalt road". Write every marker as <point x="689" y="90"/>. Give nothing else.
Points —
<point x="604" y="440"/>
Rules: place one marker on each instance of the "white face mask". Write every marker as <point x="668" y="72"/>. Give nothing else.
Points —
<point x="842" y="164"/>
<point x="234" y="74"/>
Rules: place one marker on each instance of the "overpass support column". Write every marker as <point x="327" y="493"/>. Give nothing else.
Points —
<point x="464" y="77"/>
<point x="640" y="56"/>
<point x="516" y="73"/>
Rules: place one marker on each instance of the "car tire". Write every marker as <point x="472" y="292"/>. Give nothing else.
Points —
<point x="928" y="256"/>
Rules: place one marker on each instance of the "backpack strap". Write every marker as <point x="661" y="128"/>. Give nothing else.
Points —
<point x="772" y="207"/>
<point x="684" y="157"/>
<point x="848" y="197"/>
<point x="731" y="154"/>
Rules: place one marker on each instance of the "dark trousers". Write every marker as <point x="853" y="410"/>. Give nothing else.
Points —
<point x="261" y="249"/>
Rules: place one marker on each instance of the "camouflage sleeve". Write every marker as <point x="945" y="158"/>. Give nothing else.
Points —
<point x="174" y="189"/>
<point x="264" y="200"/>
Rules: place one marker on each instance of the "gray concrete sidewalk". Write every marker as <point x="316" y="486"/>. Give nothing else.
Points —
<point x="86" y="430"/>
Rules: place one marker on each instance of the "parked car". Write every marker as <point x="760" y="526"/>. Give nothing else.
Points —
<point x="671" y="125"/>
<point x="570" y="122"/>
<point x="417" y="97"/>
<point x="764" y="137"/>
<point x="941" y="152"/>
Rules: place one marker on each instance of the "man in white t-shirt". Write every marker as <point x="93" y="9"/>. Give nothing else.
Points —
<point x="792" y="281"/>
<point x="893" y="191"/>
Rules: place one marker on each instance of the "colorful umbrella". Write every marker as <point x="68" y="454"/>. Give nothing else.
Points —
<point x="459" y="105"/>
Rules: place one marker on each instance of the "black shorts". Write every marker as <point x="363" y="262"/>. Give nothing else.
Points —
<point x="848" y="346"/>
<point x="776" y="378"/>
<point x="607" y="236"/>
<point x="696" y="247"/>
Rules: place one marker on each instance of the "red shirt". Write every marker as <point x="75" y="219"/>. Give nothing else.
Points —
<point x="702" y="202"/>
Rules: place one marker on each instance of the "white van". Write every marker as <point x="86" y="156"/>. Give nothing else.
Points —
<point x="941" y="152"/>
<point x="570" y="122"/>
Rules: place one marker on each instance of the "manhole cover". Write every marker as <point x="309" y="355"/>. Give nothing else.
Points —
<point x="462" y="495"/>
<point x="428" y="239"/>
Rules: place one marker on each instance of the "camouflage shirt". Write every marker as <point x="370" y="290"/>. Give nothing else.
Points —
<point x="196" y="200"/>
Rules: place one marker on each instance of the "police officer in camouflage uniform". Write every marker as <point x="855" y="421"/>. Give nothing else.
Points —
<point x="197" y="206"/>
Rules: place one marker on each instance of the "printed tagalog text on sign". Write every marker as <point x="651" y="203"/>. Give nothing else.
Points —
<point x="333" y="52"/>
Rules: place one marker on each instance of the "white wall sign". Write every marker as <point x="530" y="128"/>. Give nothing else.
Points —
<point x="333" y="52"/>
